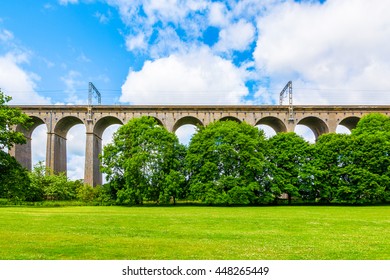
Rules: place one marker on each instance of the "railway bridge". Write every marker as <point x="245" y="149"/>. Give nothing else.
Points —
<point x="59" y="119"/>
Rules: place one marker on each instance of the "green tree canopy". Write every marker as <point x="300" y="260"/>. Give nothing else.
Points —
<point x="287" y="154"/>
<point x="352" y="168"/>
<point x="225" y="161"/>
<point x="9" y="118"/>
<point x="14" y="180"/>
<point x="372" y="123"/>
<point x="13" y="177"/>
<point x="144" y="162"/>
<point x="369" y="176"/>
<point x="325" y="173"/>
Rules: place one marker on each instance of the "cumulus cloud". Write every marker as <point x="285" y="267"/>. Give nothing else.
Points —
<point x="237" y="36"/>
<point x="218" y="14"/>
<point x="336" y="52"/>
<point x="171" y="10"/>
<point x="134" y="42"/>
<point x="153" y="30"/>
<point x="195" y="77"/>
<point x="17" y="82"/>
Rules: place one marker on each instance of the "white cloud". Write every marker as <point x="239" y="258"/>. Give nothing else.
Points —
<point x="185" y="133"/>
<point x="237" y="36"/>
<point x="136" y="42"/>
<point x="75" y="167"/>
<point x="306" y="133"/>
<point x="268" y="131"/>
<point x="76" y="140"/>
<point x="167" y="42"/>
<point x="195" y="77"/>
<point x="336" y="52"/>
<point x="108" y="134"/>
<point x="74" y="81"/>
<point x="218" y="14"/>
<point x="76" y="152"/>
<point x="38" y="144"/>
<point x="158" y="23"/>
<point x="171" y="10"/>
<point x="103" y="18"/>
<point x="6" y="35"/>
<point x="17" y="82"/>
<point x="66" y="2"/>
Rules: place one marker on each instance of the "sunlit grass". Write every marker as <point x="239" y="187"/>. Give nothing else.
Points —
<point x="195" y="233"/>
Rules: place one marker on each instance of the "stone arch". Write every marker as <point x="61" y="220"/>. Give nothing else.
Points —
<point x="274" y="122"/>
<point x="36" y="121"/>
<point x="317" y="125"/>
<point x="159" y="122"/>
<point x="230" y="118"/>
<point x="93" y="148"/>
<point x="56" y="156"/>
<point x="64" y="124"/>
<point x="187" y="120"/>
<point x="103" y="123"/>
<point x="22" y="153"/>
<point x="350" y="122"/>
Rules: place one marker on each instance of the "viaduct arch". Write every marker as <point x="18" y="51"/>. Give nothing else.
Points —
<point x="59" y="119"/>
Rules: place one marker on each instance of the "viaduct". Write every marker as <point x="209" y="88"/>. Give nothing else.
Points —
<point x="59" y="119"/>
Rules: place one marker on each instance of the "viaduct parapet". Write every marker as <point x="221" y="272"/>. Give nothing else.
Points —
<point x="59" y="119"/>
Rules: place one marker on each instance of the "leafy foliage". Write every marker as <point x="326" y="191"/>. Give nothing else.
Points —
<point x="142" y="163"/>
<point x="287" y="154"/>
<point x="14" y="181"/>
<point x="52" y="186"/>
<point x="372" y="124"/>
<point x="352" y="168"/>
<point x="325" y="172"/>
<point x="10" y="117"/>
<point x="225" y="163"/>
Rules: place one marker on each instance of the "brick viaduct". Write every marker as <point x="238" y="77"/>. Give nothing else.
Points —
<point x="59" y="119"/>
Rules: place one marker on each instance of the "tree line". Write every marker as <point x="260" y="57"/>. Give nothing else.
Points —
<point x="233" y="163"/>
<point x="225" y="163"/>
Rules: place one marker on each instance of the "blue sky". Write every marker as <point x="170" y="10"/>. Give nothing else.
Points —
<point x="193" y="52"/>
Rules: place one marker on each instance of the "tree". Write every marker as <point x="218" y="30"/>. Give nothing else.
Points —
<point x="225" y="163"/>
<point x="327" y="170"/>
<point x="14" y="181"/>
<point x="143" y="162"/>
<point x="13" y="177"/>
<point x="352" y="168"/>
<point x="47" y="185"/>
<point x="9" y="118"/>
<point x="372" y="123"/>
<point x="370" y="173"/>
<point x="287" y="154"/>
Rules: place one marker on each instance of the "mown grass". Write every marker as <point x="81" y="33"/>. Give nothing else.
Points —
<point x="164" y="233"/>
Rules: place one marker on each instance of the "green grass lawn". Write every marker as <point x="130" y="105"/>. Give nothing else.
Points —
<point x="165" y="233"/>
